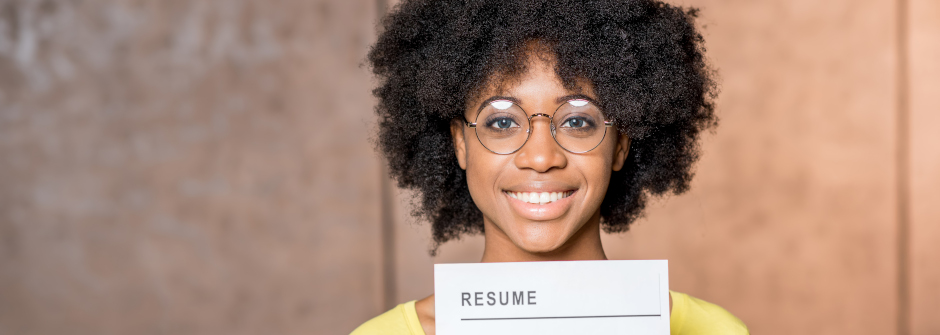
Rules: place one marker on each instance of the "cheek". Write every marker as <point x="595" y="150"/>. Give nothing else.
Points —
<point x="597" y="169"/>
<point x="483" y="170"/>
<point x="596" y="172"/>
<point x="602" y="182"/>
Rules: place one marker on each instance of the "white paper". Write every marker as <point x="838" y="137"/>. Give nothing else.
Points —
<point x="571" y="297"/>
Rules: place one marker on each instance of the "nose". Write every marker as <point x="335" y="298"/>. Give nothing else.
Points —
<point x="540" y="153"/>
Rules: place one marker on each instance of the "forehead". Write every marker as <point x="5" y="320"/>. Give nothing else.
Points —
<point x="535" y="82"/>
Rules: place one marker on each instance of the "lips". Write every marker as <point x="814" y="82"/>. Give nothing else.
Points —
<point x="541" y="206"/>
<point x="539" y="198"/>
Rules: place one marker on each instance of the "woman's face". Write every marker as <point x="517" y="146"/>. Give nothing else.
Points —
<point x="496" y="182"/>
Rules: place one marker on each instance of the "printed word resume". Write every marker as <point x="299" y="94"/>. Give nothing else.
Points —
<point x="571" y="297"/>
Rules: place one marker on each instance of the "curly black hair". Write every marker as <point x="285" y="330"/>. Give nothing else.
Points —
<point x="644" y="58"/>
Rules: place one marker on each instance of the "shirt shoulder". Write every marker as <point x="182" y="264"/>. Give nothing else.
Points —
<point x="692" y="316"/>
<point x="401" y="320"/>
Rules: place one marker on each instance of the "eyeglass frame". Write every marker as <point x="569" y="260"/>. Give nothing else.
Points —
<point x="528" y="131"/>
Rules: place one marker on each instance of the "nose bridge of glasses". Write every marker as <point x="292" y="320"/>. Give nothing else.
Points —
<point x="539" y="114"/>
<point x="549" y="120"/>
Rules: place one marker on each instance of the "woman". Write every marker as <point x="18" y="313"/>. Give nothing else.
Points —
<point x="536" y="123"/>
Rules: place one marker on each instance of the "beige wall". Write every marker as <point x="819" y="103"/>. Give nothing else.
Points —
<point x="199" y="167"/>
<point x="187" y="167"/>
<point x="924" y="207"/>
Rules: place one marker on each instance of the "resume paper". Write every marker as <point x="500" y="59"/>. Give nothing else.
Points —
<point x="568" y="297"/>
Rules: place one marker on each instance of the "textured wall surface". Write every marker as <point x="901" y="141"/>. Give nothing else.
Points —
<point x="186" y="167"/>
<point x="204" y="167"/>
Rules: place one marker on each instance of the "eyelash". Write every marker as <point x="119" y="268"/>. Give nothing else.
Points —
<point x="587" y="121"/>
<point x="493" y="120"/>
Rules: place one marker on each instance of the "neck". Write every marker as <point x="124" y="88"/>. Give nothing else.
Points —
<point x="585" y="244"/>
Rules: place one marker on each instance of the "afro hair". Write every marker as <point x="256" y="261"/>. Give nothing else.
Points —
<point x="645" y="60"/>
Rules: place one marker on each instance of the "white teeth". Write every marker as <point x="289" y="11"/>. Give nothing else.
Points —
<point x="544" y="198"/>
<point x="539" y="198"/>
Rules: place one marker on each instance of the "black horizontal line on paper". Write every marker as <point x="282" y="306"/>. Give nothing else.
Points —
<point x="563" y="317"/>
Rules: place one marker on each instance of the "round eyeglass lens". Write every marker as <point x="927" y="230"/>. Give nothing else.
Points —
<point x="578" y="126"/>
<point x="502" y="127"/>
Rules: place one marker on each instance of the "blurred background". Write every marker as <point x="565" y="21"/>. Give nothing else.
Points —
<point x="205" y="167"/>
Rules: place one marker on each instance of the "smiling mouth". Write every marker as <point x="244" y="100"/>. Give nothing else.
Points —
<point x="539" y="198"/>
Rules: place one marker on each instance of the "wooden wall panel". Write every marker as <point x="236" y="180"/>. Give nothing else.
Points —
<point x="790" y="223"/>
<point x="791" y="220"/>
<point x="924" y="69"/>
<point x="187" y="167"/>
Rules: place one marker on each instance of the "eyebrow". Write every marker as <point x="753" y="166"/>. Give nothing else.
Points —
<point x="515" y="100"/>
<point x="569" y="97"/>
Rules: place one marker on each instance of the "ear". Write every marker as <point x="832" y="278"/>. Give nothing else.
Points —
<point x="460" y="143"/>
<point x="621" y="151"/>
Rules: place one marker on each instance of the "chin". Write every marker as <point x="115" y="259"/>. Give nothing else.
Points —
<point x="540" y="244"/>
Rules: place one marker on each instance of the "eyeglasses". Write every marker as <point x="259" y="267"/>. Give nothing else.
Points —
<point x="578" y="126"/>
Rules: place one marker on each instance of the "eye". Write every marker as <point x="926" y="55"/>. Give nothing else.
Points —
<point x="575" y="122"/>
<point x="502" y="123"/>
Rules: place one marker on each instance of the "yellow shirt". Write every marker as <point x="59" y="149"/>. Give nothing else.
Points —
<point x="690" y="316"/>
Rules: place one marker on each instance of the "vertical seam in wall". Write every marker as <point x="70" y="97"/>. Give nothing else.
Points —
<point x="903" y="172"/>
<point x="389" y="296"/>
